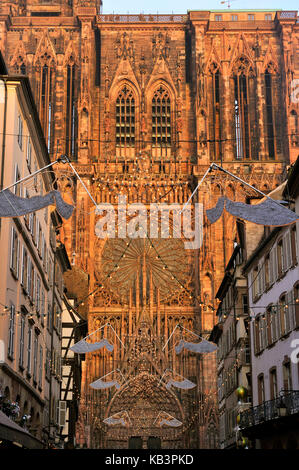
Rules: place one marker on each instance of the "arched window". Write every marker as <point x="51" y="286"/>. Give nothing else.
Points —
<point x="214" y="114"/>
<point x="241" y="117"/>
<point x="269" y="114"/>
<point x="125" y="122"/>
<point x="161" y="123"/>
<point x="45" y="80"/>
<point x="71" y="112"/>
<point x="245" y="122"/>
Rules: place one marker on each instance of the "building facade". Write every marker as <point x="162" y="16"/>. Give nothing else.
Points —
<point x="273" y="278"/>
<point x="231" y="334"/>
<point x="233" y="357"/>
<point x="31" y="286"/>
<point x="142" y="104"/>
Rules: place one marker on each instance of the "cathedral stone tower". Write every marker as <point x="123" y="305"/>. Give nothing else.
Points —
<point x="142" y="104"/>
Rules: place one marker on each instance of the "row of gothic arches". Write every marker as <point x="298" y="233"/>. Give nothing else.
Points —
<point x="250" y="94"/>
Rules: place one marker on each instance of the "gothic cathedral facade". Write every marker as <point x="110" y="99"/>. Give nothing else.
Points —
<point x="142" y="105"/>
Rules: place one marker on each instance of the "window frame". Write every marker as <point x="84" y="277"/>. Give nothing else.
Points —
<point x="273" y="384"/>
<point x="28" y="153"/>
<point x="20" y="131"/>
<point x="14" y="252"/>
<point x="29" y="349"/>
<point x="35" y="357"/>
<point x="11" y="332"/>
<point x="125" y="118"/>
<point x="22" y="340"/>
<point x="161" y="122"/>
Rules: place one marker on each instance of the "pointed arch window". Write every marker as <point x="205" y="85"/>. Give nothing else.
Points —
<point x="71" y="112"/>
<point x="45" y="73"/>
<point x="125" y="121"/>
<point x="270" y="134"/>
<point x="214" y="114"/>
<point x="161" y="123"/>
<point x="245" y="118"/>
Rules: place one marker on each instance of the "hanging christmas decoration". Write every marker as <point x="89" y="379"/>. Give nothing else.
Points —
<point x="241" y="393"/>
<point x="100" y="384"/>
<point x="12" y="205"/>
<point x="184" y="384"/>
<point x="122" y="418"/>
<point x="269" y="212"/>
<point x="83" y="347"/>
<point x="166" y="419"/>
<point x="203" y="347"/>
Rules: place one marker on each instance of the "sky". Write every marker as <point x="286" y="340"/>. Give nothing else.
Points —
<point x="177" y="6"/>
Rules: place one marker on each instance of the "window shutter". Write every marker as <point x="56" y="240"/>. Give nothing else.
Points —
<point x="262" y="276"/>
<point x="294" y="245"/>
<point x="12" y="246"/>
<point x="11" y="331"/>
<point x="288" y="254"/>
<point x="296" y="306"/>
<point x="28" y="155"/>
<point x="282" y="319"/>
<point x="271" y="268"/>
<point x="283" y="255"/>
<point x="33" y="285"/>
<point x="275" y="273"/>
<point x="29" y="346"/>
<point x="259" y="279"/>
<point x="37" y="234"/>
<point x="264" y="332"/>
<point x="257" y="337"/>
<point x="291" y="310"/>
<point x="268" y="319"/>
<point x="278" y="329"/>
<point x="23" y="265"/>
<point x="18" y="258"/>
<point x="273" y="323"/>
<point x="62" y="413"/>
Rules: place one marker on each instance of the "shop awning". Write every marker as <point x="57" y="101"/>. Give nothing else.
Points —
<point x="10" y="431"/>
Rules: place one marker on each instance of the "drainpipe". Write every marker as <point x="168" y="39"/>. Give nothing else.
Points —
<point x="3" y="137"/>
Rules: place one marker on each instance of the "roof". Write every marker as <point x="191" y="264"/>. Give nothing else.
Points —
<point x="223" y="288"/>
<point x="292" y="184"/>
<point x="11" y="431"/>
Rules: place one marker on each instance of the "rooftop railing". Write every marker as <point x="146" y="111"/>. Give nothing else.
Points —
<point x="142" y="18"/>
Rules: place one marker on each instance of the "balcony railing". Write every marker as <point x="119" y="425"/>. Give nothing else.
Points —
<point x="285" y="405"/>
